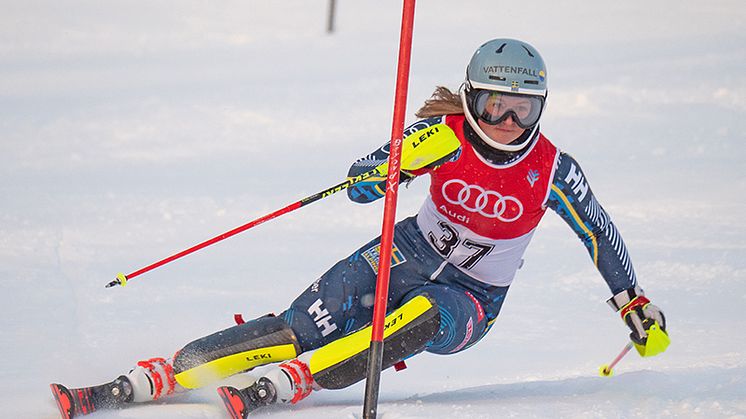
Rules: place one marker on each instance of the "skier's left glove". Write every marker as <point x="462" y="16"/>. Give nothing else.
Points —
<point x="647" y="322"/>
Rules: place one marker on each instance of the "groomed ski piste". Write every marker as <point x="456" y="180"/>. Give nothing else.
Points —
<point x="132" y="130"/>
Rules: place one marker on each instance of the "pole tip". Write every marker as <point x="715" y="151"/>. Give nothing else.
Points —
<point x="121" y="280"/>
<point x="605" y="371"/>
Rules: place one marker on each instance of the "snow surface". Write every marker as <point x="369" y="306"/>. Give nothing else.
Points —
<point x="133" y="129"/>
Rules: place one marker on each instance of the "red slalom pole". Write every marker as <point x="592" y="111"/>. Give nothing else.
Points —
<point x="375" y="358"/>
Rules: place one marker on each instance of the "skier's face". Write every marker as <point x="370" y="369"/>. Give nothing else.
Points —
<point x="505" y="132"/>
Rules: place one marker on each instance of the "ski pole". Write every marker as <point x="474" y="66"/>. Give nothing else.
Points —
<point x="417" y="153"/>
<point x="122" y="278"/>
<point x="607" y="370"/>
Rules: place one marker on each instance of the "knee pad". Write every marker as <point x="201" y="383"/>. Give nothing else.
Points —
<point x="237" y="349"/>
<point x="407" y="331"/>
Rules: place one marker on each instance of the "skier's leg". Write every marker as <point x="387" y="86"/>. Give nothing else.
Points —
<point x="460" y="322"/>
<point x="206" y="360"/>
<point x="462" y="318"/>
<point x="331" y="315"/>
<point x="442" y="319"/>
<point x="437" y="318"/>
<point x="237" y="349"/>
<point x="407" y="331"/>
<point x="336" y="305"/>
<point x="340" y="363"/>
<point x="336" y="365"/>
<point x="468" y="309"/>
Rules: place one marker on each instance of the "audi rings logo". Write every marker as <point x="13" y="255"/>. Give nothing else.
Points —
<point x="474" y="198"/>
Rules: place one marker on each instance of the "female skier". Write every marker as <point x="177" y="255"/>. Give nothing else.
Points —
<point x="452" y="263"/>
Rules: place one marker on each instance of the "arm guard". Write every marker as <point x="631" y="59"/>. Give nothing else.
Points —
<point x="374" y="187"/>
<point x="427" y="144"/>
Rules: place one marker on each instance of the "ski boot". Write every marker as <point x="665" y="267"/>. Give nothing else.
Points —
<point x="82" y="401"/>
<point x="148" y="381"/>
<point x="240" y="403"/>
<point x="289" y="382"/>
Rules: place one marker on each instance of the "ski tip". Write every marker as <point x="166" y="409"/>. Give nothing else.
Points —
<point x="64" y="400"/>
<point x="233" y="401"/>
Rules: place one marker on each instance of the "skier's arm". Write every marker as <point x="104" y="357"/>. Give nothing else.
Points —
<point x="573" y="200"/>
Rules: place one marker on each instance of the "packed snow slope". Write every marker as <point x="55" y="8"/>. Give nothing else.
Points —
<point x="131" y="130"/>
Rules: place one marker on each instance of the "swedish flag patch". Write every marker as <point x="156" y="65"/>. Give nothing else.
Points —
<point x="373" y="256"/>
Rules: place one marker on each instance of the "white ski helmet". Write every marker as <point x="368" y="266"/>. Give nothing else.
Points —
<point x="499" y="68"/>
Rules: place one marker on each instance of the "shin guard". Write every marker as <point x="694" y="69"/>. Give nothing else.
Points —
<point x="407" y="331"/>
<point x="237" y="349"/>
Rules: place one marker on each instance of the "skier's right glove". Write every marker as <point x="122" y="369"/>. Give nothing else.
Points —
<point x="647" y="322"/>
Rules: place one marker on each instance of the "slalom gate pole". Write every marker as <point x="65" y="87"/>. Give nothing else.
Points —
<point x="607" y="370"/>
<point x="122" y="278"/>
<point x="375" y="355"/>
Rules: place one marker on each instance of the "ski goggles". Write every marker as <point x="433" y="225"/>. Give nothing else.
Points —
<point x="494" y="107"/>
